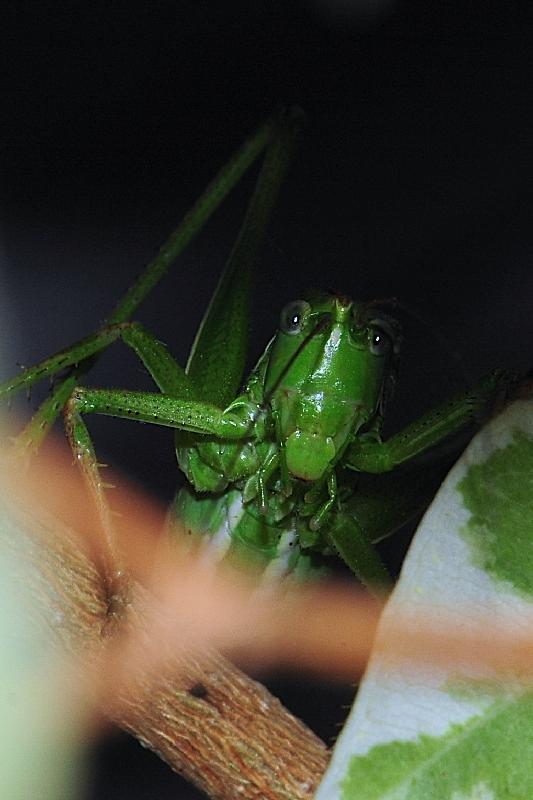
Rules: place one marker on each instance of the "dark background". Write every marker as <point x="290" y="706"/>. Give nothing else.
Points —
<point x="412" y="179"/>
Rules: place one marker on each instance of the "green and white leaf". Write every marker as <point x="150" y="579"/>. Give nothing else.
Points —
<point x="432" y="734"/>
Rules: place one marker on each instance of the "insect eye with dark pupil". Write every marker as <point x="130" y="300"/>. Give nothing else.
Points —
<point x="380" y="343"/>
<point x="293" y="317"/>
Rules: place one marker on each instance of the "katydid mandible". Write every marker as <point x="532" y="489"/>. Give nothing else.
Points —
<point x="273" y="466"/>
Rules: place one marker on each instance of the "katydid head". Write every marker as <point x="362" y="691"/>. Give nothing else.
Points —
<point x="328" y="372"/>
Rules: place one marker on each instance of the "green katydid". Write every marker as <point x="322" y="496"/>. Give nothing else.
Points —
<point x="273" y="470"/>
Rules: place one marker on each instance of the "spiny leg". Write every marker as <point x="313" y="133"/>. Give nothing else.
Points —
<point x="224" y="326"/>
<point x="349" y="539"/>
<point x="184" y="415"/>
<point x="256" y="485"/>
<point x="30" y="439"/>
<point x="131" y="333"/>
<point x="432" y="428"/>
<point x="230" y="328"/>
<point x="111" y="563"/>
<point x="319" y="517"/>
<point x="379" y="506"/>
<point x="162" y="409"/>
<point x="217" y="358"/>
<point x="382" y="503"/>
<point x="155" y="408"/>
<point x="35" y="432"/>
<point x="168" y="375"/>
<point x="165" y="410"/>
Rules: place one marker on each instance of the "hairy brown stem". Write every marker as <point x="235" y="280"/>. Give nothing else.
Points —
<point x="204" y="717"/>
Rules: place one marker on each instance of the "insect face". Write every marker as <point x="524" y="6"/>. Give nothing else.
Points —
<point x="325" y="378"/>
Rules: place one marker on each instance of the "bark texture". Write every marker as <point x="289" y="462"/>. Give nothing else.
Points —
<point x="208" y="720"/>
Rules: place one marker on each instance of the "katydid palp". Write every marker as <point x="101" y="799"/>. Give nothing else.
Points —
<point x="274" y="472"/>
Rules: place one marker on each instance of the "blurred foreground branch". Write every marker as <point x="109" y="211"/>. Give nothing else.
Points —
<point x="204" y="717"/>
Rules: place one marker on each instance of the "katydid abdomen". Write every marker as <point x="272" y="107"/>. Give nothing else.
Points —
<point x="231" y="514"/>
<point x="224" y="528"/>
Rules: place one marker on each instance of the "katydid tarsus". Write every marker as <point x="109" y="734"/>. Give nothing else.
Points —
<point x="273" y="468"/>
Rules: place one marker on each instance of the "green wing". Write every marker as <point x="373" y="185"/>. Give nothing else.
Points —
<point x="217" y="357"/>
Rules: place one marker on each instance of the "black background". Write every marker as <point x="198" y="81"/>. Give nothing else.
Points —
<point x="412" y="179"/>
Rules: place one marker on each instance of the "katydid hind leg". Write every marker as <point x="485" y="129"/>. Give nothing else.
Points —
<point x="218" y="353"/>
<point x="44" y="418"/>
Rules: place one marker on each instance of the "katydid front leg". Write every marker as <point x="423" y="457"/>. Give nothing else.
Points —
<point x="158" y="409"/>
<point x="321" y="514"/>
<point x="430" y="429"/>
<point x="379" y="505"/>
<point x="165" y="410"/>
<point x="168" y="376"/>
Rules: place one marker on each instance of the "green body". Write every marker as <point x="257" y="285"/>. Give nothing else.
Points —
<point x="318" y="388"/>
<point x="275" y="473"/>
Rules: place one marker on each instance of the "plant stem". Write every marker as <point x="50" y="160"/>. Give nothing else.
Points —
<point x="209" y="721"/>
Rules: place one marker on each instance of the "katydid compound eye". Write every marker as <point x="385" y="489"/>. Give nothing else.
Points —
<point x="293" y="317"/>
<point x="380" y="342"/>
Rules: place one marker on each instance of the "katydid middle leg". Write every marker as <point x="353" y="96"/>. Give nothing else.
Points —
<point x="431" y="428"/>
<point x="377" y="508"/>
<point x="167" y="374"/>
